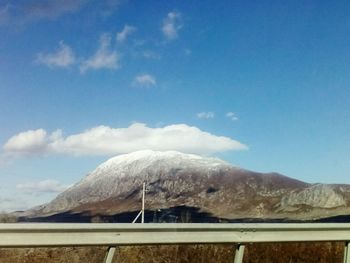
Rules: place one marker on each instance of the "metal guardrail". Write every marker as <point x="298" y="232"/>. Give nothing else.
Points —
<point x="112" y="235"/>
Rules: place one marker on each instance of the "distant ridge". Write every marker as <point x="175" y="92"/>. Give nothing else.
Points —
<point x="210" y="185"/>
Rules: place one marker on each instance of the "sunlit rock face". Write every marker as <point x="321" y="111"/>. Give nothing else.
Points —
<point x="322" y="196"/>
<point x="210" y="184"/>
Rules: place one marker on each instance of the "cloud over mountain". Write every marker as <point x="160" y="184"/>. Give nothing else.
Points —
<point x="104" y="140"/>
<point x="28" y="142"/>
<point x="45" y="186"/>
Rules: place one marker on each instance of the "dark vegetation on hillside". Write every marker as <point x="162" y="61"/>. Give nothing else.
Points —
<point x="177" y="214"/>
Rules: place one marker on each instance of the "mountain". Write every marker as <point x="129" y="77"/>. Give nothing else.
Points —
<point x="208" y="185"/>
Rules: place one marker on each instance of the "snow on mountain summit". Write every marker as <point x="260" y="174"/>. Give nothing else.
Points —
<point x="172" y="157"/>
<point x="176" y="179"/>
<point x="134" y="163"/>
<point x="125" y="172"/>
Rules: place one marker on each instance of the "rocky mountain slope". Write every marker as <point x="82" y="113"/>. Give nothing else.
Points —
<point x="211" y="185"/>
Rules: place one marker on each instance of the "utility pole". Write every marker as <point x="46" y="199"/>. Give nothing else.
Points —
<point x="142" y="212"/>
<point x="143" y="202"/>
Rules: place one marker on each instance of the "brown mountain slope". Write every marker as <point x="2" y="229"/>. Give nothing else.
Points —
<point x="213" y="186"/>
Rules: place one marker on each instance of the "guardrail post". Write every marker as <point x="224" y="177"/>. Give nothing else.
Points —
<point x="110" y="254"/>
<point x="346" y="253"/>
<point x="239" y="253"/>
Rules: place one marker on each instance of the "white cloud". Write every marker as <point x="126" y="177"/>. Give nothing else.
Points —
<point x="104" y="140"/>
<point x="145" y="80"/>
<point x="232" y="116"/>
<point x="28" y="142"/>
<point x="205" y="115"/>
<point x="171" y="25"/>
<point x="125" y="33"/>
<point x="62" y="57"/>
<point x="45" y="186"/>
<point x="104" y="57"/>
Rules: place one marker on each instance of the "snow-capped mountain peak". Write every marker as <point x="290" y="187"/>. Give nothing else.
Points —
<point x="178" y="179"/>
<point x="132" y="164"/>
<point x="124" y="172"/>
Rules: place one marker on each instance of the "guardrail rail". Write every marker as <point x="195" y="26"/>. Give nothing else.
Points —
<point x="113" y="235"/>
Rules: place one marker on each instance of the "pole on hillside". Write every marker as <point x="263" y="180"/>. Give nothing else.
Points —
<point x="143" y="202"/>
<point x="142" y="212"/>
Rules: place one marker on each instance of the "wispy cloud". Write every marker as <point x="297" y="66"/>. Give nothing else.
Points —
<point x="28" y="11"/>
<point x="145" y="81"/>
<point x="107" y="7"/>
<point x="104" y="140"/>
<point x="125" y="33"/>
<point x="205" y="115"/>
<point x="50" y="9"/>
<point x="104" y="58"/>
<point x="232" y="116"/>
<point x="45" y="186"/>
<point x="171" y="25"/>
<point x="21" y="12"/>
<point x="62" y="57"/>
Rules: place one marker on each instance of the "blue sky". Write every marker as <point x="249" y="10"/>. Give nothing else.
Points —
<point x="263" y="85"/>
